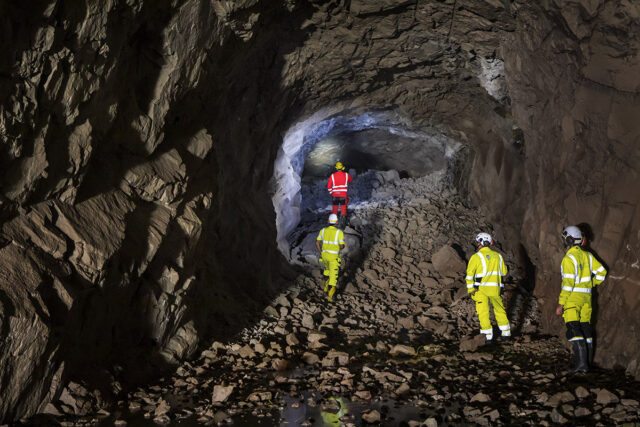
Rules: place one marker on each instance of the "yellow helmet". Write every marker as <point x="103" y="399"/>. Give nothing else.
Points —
<point x="339" y="166"/>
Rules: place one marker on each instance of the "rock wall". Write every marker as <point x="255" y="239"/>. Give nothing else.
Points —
<point x="573" y="75"/>
<point x="131" y="197"/>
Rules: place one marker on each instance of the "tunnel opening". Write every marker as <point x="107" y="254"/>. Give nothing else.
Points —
<point x="378" y="147"/>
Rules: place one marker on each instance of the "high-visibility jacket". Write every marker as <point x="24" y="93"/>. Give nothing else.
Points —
<point x="331" y="238"/>
<point x="581" y="272"/>
<point x="485" y="270"/>
<point x="338" y="183"/>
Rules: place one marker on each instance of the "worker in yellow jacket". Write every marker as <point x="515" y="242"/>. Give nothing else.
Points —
<point x="484" y="283"/>
<point x="581" y="272"/>
<point x="329" y="242"/>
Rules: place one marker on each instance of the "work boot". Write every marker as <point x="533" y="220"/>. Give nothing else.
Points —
<point x="590" y="353"/>
<point x="332" y="290"/>
<point x="488" y="342"/>
<point x="580" y="352"/>
<point x="505" y="339"/>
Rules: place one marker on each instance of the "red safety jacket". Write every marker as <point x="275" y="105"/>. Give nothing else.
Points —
<point x="338" y="182"/>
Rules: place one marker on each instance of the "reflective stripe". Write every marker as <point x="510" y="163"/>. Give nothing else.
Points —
<point x="589" y="340"/>
<point x="484" y="265"/>
<point x="331" y="246"/>
<point x="568" y="276"/>
<point x="576" y="289"/>
<point x="577" y="339"/>
<point x="504" y="327"/>
<point x="469" y="286"/>
<point x="487" y="331"/>
<point x="489" y="284"/>
<point x="506" y="333"/>
<point x="493" y="273"/>
<point x="590" y="264"/>
<point x="584" y="280"/>
<point x="599" y="270"/>
<point x="500" y="272"/>
<point x="582" y="290"/>
<point x="600" y="277"/>
<point x="468" y="278"/>
<point x="340" y="187"/>
<point x="575" y="267"/>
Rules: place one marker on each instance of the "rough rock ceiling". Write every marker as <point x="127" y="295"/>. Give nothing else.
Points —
<point x="374" y="149"/>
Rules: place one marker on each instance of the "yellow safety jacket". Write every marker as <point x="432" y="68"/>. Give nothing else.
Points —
<point x="331" y="238"/>
<point x="581" y="272"/>
<point x="485" y="270"/>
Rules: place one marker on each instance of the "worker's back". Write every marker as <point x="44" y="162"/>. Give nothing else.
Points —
<point x="485" y="270"/>
<point x="331" y="238"/>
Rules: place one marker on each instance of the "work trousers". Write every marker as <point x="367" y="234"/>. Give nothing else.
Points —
<point x="577" y="317"/>
<point x="331" y="268"/>
<point x="482" y="308"/>
<point x="341" y="204"/>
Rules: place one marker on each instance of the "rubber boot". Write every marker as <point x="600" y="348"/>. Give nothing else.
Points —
<point x="505" y="339"/>
<point x="590" y="353"/>
<point x="580" y="352"/>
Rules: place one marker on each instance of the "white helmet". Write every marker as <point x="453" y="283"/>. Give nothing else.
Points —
<point x="572" y="236"/>
<point x="484" y="239"/>
<point x="333" y="219"/>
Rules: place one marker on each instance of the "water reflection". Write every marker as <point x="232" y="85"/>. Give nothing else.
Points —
<point x="310" y="409"/>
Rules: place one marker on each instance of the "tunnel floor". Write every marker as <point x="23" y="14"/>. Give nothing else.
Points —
<point x="397" y="347"/>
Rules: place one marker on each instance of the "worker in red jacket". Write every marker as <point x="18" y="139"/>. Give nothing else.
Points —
<point x="337" y="186"/>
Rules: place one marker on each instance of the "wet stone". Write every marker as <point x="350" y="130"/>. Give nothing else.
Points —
<point x="404" y="350"/>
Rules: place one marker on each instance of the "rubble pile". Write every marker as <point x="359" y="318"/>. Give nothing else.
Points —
<point x="399" y="345"/>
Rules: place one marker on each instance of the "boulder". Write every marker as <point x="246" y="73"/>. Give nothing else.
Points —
<point x="605" y="397"/>
<point x="310" y="358"/>
<point x="472" y="343"/>
<point x="480" y="397"/>
<point x="221" y="393"/>
<point x="404" y="350"/>
<point x="447" y="262"/>
<point x="307" y="321"/>
<point x="371" y="416"/>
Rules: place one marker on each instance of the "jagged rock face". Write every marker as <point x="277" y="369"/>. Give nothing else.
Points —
<point x="574" y="80"/>
<point x="138" y="141"/>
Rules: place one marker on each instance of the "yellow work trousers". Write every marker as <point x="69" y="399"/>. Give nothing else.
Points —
<point x="331" y="268"/>
<point x="577" y="311"/>
<point x="482" y="308"/>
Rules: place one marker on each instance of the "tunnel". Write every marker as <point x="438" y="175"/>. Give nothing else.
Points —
<point x="367" y="142"/>
<point x="164" y="180"/>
